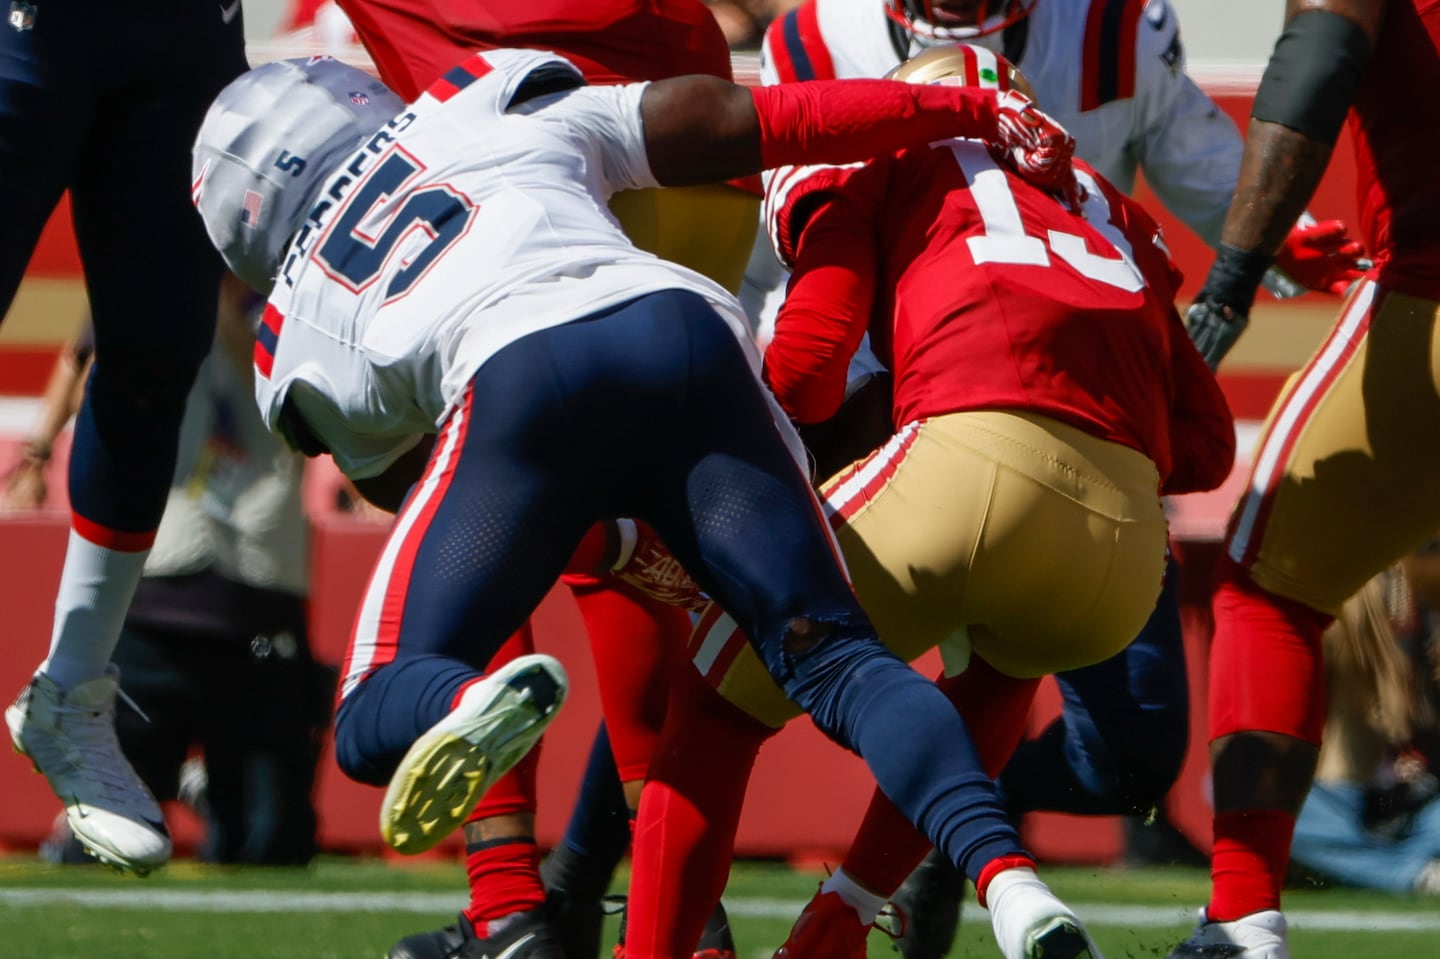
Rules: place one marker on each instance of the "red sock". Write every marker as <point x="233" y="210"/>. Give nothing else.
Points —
<point x="504" y="878"/>
<point x="636" y="643"/>
<point x="689" y="811"/>
<point x="1248" y="863"/>
<point x="1267" y="667"/>
<point x="888" y="847"/>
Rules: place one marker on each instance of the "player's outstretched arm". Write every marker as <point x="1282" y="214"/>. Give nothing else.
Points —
<point x="1299" y="108"/>
<point x="702" y="129"/>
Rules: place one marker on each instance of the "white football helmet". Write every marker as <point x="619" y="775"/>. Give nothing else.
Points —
<point x="950" y="21"/>
<point x="268" y="142"/>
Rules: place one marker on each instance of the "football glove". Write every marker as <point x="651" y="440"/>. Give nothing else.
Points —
<point x="1221" y="309"/>
<point x="1036" y="146"/>
<point x="1322" y="256"/>
<point x="1214" y="328"/>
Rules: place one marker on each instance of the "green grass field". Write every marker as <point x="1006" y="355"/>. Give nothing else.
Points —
<point x="349" y="909"/>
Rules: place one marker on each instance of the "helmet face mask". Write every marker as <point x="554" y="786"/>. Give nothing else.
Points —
<point x="950" y="21"/>
<point x="267" y="144"/>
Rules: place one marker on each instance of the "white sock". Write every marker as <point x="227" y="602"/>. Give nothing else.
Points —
<point x="96" y="586"/>
<point x="857" y="897"/>
<point x="1019" y="902"/>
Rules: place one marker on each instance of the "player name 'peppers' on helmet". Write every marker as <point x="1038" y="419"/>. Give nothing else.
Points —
<point x="951" y="20"/>
<point x="267" y="144"/>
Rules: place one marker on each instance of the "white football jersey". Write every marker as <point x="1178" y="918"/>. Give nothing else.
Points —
<point x="1112" y="72"/>
<point x="463" y="225"/>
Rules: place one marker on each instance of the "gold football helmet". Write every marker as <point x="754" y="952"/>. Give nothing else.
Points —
<point x="964" y="65"/>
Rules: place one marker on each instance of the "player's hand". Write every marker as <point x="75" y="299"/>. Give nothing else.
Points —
<point x="1221" y="309"/>
<point x="1214" y="328"/>
<point x="1038" y="147"/>
<point x="23" y="487"/>
<point x="1322" y="256"/>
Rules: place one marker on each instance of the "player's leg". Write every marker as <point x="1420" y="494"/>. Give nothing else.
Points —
<point x="152" y="284"/>
<point x="886" y="848"/>
<point x="46" y="109"/>
<point x="750" y="531"/>
<point x="1115" y="749"/>
<point x="480" y="541"/>
<point x="502" y="864"/>
<point x="1033" y="532"/>
<point x="1340" y="490"/>
<point x="1119" y="742"/>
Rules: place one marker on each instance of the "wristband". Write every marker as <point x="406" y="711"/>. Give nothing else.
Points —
<point x="1234" y="278"/>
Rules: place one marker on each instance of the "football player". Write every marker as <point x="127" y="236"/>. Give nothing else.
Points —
<point x="1113" y="73"/>
<point x="452" y="268"/>
<point x="1047" y="395"/>
<point x="1342" y="484"/>
<point x="104" y="99"/>
<point x="708" y="227"/>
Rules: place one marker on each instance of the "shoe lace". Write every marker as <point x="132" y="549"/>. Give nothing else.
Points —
<point x="892" y="921"/>
<point x="95" y="750"/>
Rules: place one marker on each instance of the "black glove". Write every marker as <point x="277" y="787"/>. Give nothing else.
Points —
<point x="1222" y="307"/>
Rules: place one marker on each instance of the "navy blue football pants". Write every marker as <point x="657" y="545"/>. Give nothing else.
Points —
<point x="650" y="410"/>
<point x="105" y="99"/>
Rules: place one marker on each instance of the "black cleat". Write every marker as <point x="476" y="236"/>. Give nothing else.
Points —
<point x="578" y="923"/>
<point x="520" y="935"/>
<point x="929" y="899"/>
<point x="715" y="942"/>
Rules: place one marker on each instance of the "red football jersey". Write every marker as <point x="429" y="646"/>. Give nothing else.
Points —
<point x="1397" y="139"/>
<point x="980" y="291"/>
<point x="612" y="41"/>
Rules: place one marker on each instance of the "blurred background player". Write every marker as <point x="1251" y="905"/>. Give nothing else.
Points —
<point x="411" y="694"/>
<point x="637" y="640"/>
<point x="1113" y="74"/>
<point x="117" y="132"/>
<point x="215" y="646"/>
<point x="1342" y="482"/>
<point x="1372" y="817"/>
<point x="1030" y="461"/>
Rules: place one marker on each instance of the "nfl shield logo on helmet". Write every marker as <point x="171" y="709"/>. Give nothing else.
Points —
<point x="250" y="209"/>
<point x="22" y="15"/>
<point x="360" y="98"/>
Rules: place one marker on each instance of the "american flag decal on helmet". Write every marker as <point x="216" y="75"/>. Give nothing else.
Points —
<point x="360" y="98"/>
<point x="250" y="209"/>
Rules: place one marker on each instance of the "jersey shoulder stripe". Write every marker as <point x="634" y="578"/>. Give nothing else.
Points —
<point x="797" y="47"/>
<point x="266" y="339"/>
<point x="1108" y="65"/>
<point x="459" y="77"/>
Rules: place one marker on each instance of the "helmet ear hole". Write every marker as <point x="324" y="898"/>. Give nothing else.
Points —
<point x="963" y="64"/>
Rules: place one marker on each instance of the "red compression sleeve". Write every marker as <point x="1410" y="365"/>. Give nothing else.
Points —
<point x="839" y="121"/>
<point x="824" y="316"/>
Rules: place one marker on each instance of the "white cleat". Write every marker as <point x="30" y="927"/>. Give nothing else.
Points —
<point x="444" y="774"/>
<point x="69" y="735"/>
<point x="1260" y="935"/>
<point x="1031" y="923"/>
